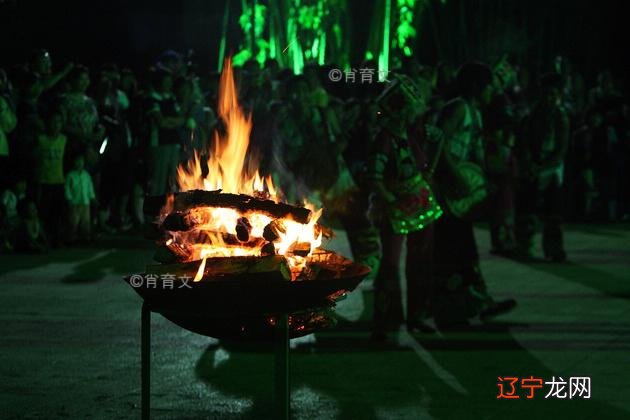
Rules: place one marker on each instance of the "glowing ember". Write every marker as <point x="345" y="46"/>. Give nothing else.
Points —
<point x="227" y="232"/>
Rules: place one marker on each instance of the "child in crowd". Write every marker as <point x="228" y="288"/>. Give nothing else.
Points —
<point x="79" y="191"/>
<point x="49" y="155"/>
<point x="30" y="235"/>
<point x="9" y="219"/>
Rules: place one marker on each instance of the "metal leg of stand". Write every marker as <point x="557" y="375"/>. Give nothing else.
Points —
<point x="145" y="355"/>
<point x="282" y="395"/>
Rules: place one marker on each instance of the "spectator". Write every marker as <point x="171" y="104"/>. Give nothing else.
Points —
<point x="28" y="125"/>
<point x="49" y="158"/>
<point x="41" y="66"/>
<point x="195" y="132"/>
<point x="541" y="150"/>
<point x="7" y="124"/>
<point x="79" y="193"/>
<point x="115" y="165"/>
<point x="9" y="219"/>
<point x="165" y="120"/>
<point x="460" y="284"/>
<point x="82" y="124"/>
<point x="30" y="236"/>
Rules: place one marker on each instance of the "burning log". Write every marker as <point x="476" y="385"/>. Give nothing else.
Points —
<point x="228" y="239"/>
<point x="243" y="229"/>
<point x="301" y="249"/>
<point x="171" y="253"/>
<point x="327" y="233"/>
<point x="273" y="230"/>
<point x="178" y="221"/>
<point x="198" y="198"/>
<point x="226" y="266"/>
<point x="268" y="249"/>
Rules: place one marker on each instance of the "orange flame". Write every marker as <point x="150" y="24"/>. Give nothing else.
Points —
<point x="228" y="161"/>
<point x="231" y="170"/>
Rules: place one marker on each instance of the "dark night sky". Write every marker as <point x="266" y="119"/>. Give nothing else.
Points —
<point x="123" y="31"/>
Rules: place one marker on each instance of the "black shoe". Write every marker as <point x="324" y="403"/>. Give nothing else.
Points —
<point x="378" y="336"/>
<point x="452" y="325"/>
<point x="557" y="258"/>
<point x="420" y="327"/>
<point x="498" y="308"/>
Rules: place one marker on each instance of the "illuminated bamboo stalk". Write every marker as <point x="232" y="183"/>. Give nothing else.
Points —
<point x="383" y="58"/>
<point x="322" y="49"/>
<point x="272" y="37"/>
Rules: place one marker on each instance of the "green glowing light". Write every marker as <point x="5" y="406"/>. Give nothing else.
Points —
<point x="291" y="32"/>
<point x="252" y="21"/>
<point x="226" y="14"/>
<point x="383" y="57"/>
<point x="321" y="56"/>
<point x="405" y="30"/>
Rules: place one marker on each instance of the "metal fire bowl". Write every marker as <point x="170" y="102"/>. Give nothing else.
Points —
<point x="246" y="306"/>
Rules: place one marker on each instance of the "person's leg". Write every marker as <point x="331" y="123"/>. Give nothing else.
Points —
<point x="552" y="237"/>
<point x="461" y="291"/>
<point x="85" y="222"/>
<point x="73" y="223"/>
<point x="478" y="299"/>
<point x="157" y="170"/>
<point x="46" y="204"/>
<point x="364" y="238"/>
<point x="525" y="227"/>
<point x="420" y="282"/>
<point x="173" y="159"/>
<point x="494" y="207"/>
<point x="127" y="180"/>
<point x="387" y="297"/>
<point x="502" y="227"/>
<point x="59" y="212"/>
<point x="449" y="303"/>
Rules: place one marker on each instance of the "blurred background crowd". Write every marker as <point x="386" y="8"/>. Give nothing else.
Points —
<point x="80" y="148"/>
<point x="386" y="157"/>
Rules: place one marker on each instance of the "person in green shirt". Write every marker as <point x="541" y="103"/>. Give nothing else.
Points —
<point x="49" y="155"/>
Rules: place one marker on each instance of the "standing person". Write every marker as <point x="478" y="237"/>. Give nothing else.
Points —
<point x="115" y="165"/>
<point x="9" y="219"/>
<point x="49" y="156"/>
<point x="41" y="65"/>
<point x="79" y="193"/>
<point x="195" y="132"/>
<point x="498" y="131"/>
<point x="134" y="117"/>
<point x="82" y="127"/>
<point x="541" y="152"/>
<point x="460" y="287"/>
<point x="86" y="136"/>
<point x="165" y="117"/>
<point x="402" y="206"/>
<point x="362" y="234"/>
<point x="28" y="125"/>
<point x="8" y="122"/>
<point x="30" y="235"/>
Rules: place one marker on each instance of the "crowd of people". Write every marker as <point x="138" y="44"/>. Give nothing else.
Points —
<point x="416" y="156"/>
